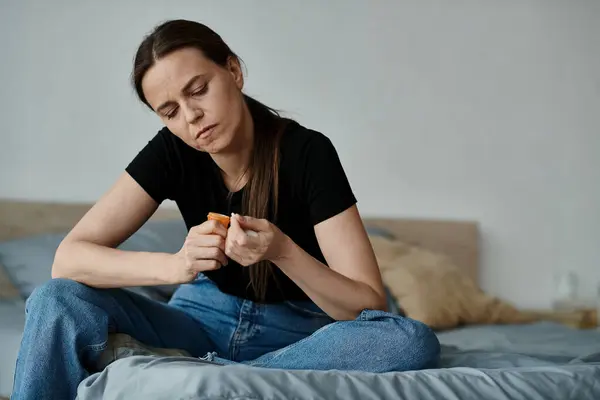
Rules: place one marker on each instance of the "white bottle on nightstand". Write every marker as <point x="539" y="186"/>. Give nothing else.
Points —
<point x="565" y="292"/>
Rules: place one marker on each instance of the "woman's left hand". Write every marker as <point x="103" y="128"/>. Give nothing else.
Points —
<point x="250" y="240"/>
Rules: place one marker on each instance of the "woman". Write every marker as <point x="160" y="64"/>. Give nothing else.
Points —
<point x="251" y="298"/>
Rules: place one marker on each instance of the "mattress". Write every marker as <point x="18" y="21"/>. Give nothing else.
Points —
<point x="536" y="361"/>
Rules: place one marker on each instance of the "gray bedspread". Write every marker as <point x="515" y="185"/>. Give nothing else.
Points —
<point x="538" y="361"/>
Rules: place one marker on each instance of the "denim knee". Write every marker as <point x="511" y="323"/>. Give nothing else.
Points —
<point x="426" y="347"/>
<point x="415" y="343"/>
<point x="55" y="294"/>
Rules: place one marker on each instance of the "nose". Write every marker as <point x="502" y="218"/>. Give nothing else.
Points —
<point x="192" y="114"/>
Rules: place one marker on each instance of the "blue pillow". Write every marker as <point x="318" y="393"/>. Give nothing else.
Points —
<point x="28" y="261"/>
<point x="376" y="231"/>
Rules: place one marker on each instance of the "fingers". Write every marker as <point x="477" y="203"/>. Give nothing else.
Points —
<point x="206" y="241"/>
<point x="205" y="265"/>
<point x="252" y="224"/>
<point x="233" y="254"/>
<point x="209" y="227"/>
<point x="244" y="223"/>
<point x="230" y="252"/>
<point x="206" y="254"/>
<point x="236" y="234"/>
<point x="242" y="240"/>
<point x="234" y="224"/>
<point x="242" y="248"/>
<point x="240" y="236"/>
<point x="209" y="244"/>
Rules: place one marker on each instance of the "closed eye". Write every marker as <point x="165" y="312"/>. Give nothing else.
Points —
<point x="200" y="91"/>
<point x="171" y="114"/>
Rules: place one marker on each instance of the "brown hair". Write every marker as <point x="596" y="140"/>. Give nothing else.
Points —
<point x="260" y="196"/>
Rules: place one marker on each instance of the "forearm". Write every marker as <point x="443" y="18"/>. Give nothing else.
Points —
<point x="105" y="267"/>
<point x="339" y="296"/>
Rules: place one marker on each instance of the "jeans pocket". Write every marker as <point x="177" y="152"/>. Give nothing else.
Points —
<point x="307" y="309"/>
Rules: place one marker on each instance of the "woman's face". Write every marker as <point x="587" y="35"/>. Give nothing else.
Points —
<point x="198" y="100"/>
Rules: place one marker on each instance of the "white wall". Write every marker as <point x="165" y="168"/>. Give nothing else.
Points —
<point x="482" y="110"/>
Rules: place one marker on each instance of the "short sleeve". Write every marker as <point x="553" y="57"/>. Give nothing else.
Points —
<point x="326" y="186"/>
<point x="154" y="167"/>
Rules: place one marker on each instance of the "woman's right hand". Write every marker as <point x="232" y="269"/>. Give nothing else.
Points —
<point x="203" y="250"/>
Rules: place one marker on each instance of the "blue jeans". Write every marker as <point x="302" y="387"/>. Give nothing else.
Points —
<point x="67" y="326"/>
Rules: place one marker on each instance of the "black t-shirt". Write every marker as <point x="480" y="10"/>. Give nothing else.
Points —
<point x="312" y="188"/>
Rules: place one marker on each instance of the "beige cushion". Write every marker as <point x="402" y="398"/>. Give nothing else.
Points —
<point x="430" y="288"/>
<point x="121" y="345"/>
<point x="7" y="289"/>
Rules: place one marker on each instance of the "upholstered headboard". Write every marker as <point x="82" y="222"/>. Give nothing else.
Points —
<point x="457" y="239"/>
<point x="24" y="218"/>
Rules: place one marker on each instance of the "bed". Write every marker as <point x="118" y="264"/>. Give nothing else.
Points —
<point x="499" y="353"/>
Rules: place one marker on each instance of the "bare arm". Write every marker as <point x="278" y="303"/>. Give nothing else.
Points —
<point x="88" y="253"/>
<point x="352" y="282"/>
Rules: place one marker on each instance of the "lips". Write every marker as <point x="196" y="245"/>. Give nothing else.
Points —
<point x="204" y="132"/>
